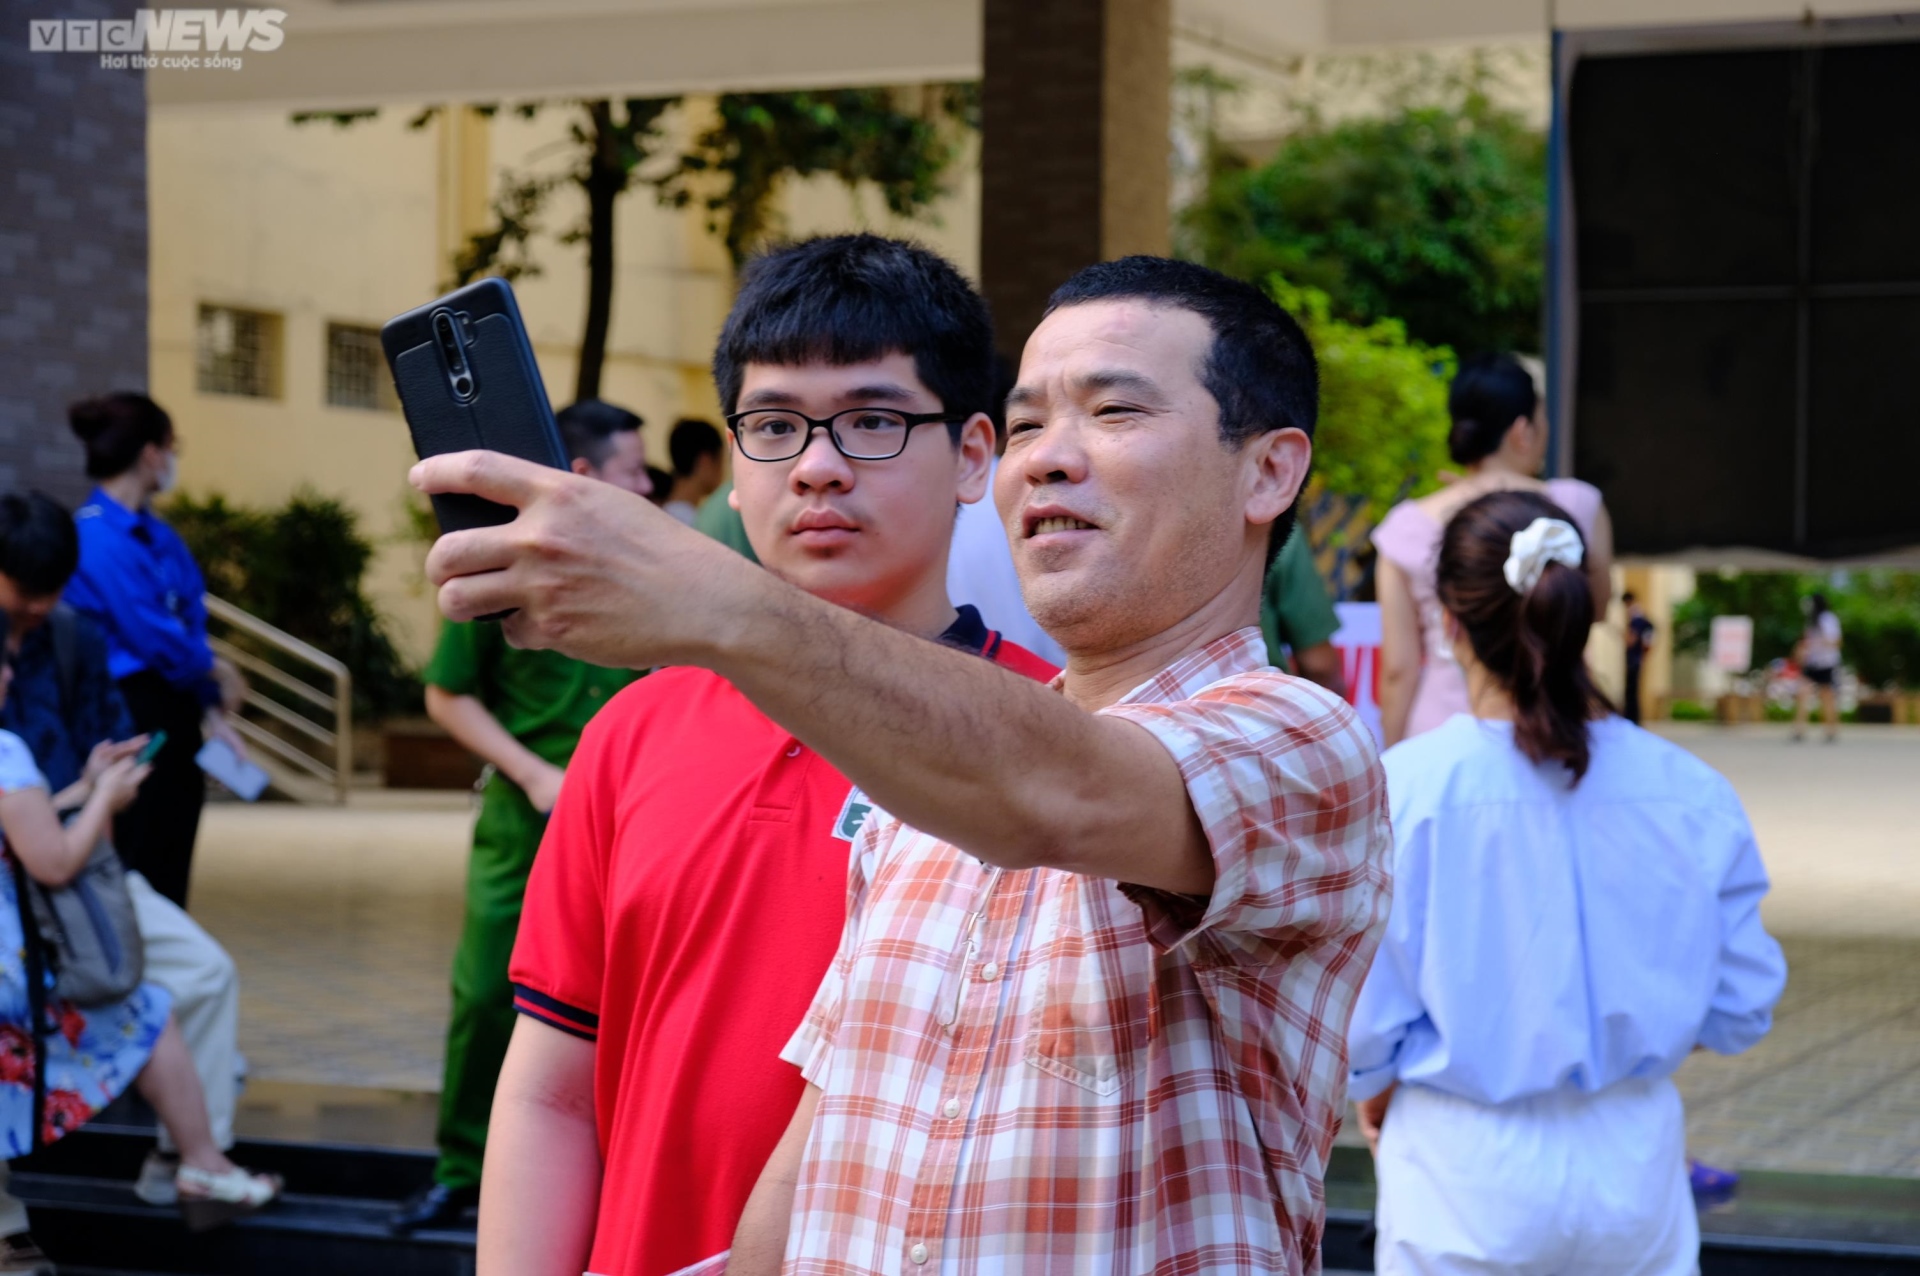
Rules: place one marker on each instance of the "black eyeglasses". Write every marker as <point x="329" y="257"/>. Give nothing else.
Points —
<point x="859" y="434"/>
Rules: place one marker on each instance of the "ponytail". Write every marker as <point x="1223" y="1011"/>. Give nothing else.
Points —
<point x="115" y="428"/>
<point x="1533" y="640"/>
<point x="1488" y="395"/>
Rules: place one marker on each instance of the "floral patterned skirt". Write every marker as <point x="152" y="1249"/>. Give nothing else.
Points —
<point x="92" y="1055"/>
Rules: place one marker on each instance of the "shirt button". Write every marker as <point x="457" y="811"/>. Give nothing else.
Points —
<point x="990" y="972"/>
<point x="794" y="752"/>
<point x="952" y="1108"/>
<point x="918" y="1253"/>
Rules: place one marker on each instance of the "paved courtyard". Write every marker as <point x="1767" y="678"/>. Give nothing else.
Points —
<point x="344" y="921"/>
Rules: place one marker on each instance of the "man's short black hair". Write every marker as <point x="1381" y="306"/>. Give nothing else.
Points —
<point x="588" y="427"/>
<point x="1260" y="369"/>
<point x="692" y="439"/>
<point x="39" y="548"/>
<point x="844" y="299"/>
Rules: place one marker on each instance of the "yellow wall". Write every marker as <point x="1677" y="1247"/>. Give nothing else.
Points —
<point x="320" y="224"/>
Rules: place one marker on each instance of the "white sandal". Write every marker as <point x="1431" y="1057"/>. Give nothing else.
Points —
<point x="208" y="1200"/>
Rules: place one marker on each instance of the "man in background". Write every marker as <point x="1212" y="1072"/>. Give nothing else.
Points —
<point x="1639" y="641"/>
<point x="522" y="712"/>
<point x="1297" y="616"/>
<point x="694" y="447"/>
<point x="65" y="704"/>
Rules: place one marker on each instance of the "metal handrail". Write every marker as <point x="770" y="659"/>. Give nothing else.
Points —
<point x="339" y="702"/>
<point x="253" y="664"/>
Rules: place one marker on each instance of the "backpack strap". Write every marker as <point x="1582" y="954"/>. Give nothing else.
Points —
<point x="63" y="628"/>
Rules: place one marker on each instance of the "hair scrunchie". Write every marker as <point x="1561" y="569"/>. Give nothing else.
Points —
<point x="1543" y="541"/>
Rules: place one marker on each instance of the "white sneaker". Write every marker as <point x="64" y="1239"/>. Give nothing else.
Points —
<point x="155" y="1185"/>
<point x="207" y="1199"/>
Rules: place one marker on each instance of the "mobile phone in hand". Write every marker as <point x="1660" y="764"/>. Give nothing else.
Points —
<point x="151" y="749"/>
<point x="465" y="373"/>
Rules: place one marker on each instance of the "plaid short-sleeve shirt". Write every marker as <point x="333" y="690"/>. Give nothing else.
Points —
<point x="1038" y="1071"/>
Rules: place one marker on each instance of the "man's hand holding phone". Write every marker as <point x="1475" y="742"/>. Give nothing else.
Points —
<point x="590" y="569"/>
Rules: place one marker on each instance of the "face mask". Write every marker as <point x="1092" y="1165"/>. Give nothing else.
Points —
<point x="163" y="481"/>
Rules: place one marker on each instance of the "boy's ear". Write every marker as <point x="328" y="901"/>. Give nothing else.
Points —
<point x="974" y="458"/>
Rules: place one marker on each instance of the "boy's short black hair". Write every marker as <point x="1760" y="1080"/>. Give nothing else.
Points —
<point x="692" y="439"/>
<point x="1260" y="369"/>
<point x="588" y="427"/>
<point x="846" y="299"/>
<point x="39" y="547"/>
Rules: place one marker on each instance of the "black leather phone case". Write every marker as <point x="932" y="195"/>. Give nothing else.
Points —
<point x="508" y="409"/>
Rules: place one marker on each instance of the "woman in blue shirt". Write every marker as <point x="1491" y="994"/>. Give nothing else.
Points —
<point x="139" y="584"/>
<point x="1576" y="908"/>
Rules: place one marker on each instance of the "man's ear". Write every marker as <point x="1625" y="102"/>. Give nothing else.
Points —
<point x="581" y="466"/>
<point x="973" y="458"/>
<point x="1277" y="463"/>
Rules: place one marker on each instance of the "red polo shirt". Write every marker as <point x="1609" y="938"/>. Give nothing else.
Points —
<point x="686" y="901"/>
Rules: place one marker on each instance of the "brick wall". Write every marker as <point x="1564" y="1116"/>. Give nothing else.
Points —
<point x="1074" y="146"/>
<point x="73" y="242"/>
<point x="1040" y="158"/>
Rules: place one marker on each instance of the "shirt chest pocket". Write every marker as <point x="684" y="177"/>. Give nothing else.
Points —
<point x="1088" y="1020"/>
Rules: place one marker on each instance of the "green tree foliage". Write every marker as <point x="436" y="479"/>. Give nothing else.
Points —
<point x="1435" y="215"/>
<point x="758" y="140"/>
<point x="1879" y="615"/>
<point x="1880" y="620"/>
<point x="1382" y="434"/>
<point x="896" y="140"/>
<point x="301" y="568"/>
<point x="1772" y="599"/>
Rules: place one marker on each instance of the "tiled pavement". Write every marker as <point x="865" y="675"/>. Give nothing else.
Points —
<point x="343" y="923"/>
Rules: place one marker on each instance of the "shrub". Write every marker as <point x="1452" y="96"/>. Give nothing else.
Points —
<point x="1435" y="215"/>
<point x="1879" y="618"/>
<point x="1383" y="424"/>
<point x="301" y="568"/>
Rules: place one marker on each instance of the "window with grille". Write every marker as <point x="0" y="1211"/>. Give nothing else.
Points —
<point x="238" y="352"/>
<point x="357" y="370"/>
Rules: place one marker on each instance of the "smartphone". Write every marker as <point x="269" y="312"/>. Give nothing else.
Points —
<point x="151" y="749"/>
<point x="464" y="370"/>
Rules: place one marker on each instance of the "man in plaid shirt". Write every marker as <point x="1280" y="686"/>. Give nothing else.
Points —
<point x="1089" y="1009"/>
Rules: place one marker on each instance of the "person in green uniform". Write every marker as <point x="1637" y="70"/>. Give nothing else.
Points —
<point x="522" y="712"/>
<point x="718" y="519"/>
<point x="1296" y="613"/>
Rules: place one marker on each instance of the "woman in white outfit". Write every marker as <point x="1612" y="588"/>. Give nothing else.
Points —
<point x="1576" y="907"/>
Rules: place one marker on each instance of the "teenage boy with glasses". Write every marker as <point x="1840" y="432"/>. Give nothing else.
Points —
<point x="693" y="883"/>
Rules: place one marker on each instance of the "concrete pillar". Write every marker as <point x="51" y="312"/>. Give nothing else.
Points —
<point x="1075" y="117"/>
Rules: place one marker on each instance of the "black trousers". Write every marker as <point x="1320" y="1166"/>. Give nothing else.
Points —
<point x="155" y="834"/>
<point x="1631" y="709"/>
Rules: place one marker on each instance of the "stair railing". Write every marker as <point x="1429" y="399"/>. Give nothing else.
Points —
<point x="301" y="733"/>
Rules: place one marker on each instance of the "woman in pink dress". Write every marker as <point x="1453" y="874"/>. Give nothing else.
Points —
<point x="1499" y="438"/>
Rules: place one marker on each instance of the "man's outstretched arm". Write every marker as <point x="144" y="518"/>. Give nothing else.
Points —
<point x="986" y="759"/>
<point x="540" y="1190"/>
